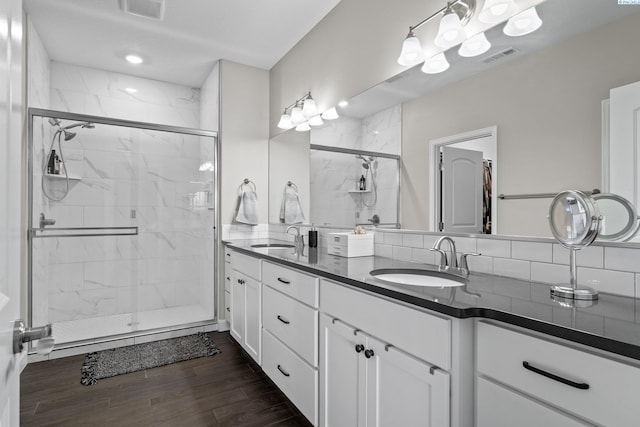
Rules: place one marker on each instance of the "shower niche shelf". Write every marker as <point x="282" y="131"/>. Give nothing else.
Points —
<point x="62" y="177"/>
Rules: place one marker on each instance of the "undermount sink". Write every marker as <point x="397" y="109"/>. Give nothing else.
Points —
<point x="417" y="277"/>
<point x="272" y="245"/>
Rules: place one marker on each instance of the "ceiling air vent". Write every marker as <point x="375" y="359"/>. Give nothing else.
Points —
<point x="498" y="56"/>
<point x="153" y="9"/>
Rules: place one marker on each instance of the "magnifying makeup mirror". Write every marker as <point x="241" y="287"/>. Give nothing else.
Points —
<point x="575" y="220"/>
<point x="619" y="217"/>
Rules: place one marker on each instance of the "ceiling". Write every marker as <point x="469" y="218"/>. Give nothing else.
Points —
<point x="183" y="46"/>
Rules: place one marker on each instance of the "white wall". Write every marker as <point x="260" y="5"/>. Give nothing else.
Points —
<point x="244" y="141"/>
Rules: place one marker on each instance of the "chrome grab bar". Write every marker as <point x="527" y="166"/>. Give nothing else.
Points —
<point x="80" y="232"/>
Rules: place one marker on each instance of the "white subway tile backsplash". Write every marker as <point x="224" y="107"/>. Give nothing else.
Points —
<point x="549" y="273"/>
<point x="383" y="250"/>
<point x="424" y="256"/>
<point x="609" y="281"/>
<point x="480" y="264"/>
<point x="495" y="248"/>
<point x="512" y="268"/>
<point x="401" y="253"/>
<point x="591" y="256"/>
<point x="413" y="240"/>
<point x="392" y="238"/>
<point x="624" y="259"/>
<point x="532" y="251"/>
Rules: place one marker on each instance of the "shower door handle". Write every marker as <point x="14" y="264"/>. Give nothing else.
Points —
<point x="22" y="335"/>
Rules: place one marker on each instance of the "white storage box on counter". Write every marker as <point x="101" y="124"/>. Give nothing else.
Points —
<point x="350" y="244"/>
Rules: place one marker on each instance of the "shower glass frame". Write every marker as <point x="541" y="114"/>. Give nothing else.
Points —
<point x="32" y="113"/>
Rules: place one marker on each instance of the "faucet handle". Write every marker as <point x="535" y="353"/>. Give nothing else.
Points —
<point x="443" y="256"/>
<point x="463" y="259"/>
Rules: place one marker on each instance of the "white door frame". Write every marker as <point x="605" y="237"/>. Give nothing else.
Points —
<point x="434" y="190"/>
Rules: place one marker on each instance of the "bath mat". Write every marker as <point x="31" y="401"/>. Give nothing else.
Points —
<point x="124" y="360"/>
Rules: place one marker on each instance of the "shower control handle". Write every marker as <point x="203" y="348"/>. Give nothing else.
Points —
<point x="45" y="221"/>
<point x="22" y="335"/>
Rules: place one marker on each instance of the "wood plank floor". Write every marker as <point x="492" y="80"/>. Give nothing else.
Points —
<point x="228" y="389"/>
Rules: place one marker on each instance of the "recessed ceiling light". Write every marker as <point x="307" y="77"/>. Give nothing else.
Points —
<point x="343" y="104"/>
<point x="133" y="59"/>
<point x="131" y="90"/>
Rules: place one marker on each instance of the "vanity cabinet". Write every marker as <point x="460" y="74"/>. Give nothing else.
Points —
<point x="246" y="305"/>
<point x="375" y="369"/>
<point x="290" y="335"/>
<point x="526" y="380"/>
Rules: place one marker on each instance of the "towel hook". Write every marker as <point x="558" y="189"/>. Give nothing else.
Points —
<point x="292" y="185"/>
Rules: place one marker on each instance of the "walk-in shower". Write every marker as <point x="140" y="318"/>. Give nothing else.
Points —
<point x="121" y="232"/>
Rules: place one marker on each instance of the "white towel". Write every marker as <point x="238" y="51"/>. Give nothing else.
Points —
<point x="290" y="210"/>
<point x="248" y="208"/>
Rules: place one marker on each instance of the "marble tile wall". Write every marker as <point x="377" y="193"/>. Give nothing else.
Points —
<point x="126" y="177"/>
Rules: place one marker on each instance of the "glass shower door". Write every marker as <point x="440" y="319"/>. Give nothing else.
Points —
<point x="122" y="235"/>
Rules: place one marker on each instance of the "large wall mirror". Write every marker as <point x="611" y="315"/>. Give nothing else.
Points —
<point x="545" y="94"/>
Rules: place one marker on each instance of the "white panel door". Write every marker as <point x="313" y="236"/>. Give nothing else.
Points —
<point x="237" y="306"/>
<point x="342" y="378"/>
<point x="461" y="192"/>
<point x="402" y="390"/>
<point x="252" y="317"/>
<point x="624" y="137"/>
<point x="10" y="205"/>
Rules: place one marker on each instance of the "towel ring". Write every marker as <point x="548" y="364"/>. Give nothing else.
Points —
<point x="246" y="181"/>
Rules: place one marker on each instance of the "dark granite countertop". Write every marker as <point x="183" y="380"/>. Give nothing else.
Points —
<point x="610" y="324"/>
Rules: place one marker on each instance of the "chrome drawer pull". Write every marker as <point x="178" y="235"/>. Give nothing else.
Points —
<point x="286" y="322"/>
<point x="581" y="386"/>
<point x="283" y="372"/>
<point x="285" y="281"/>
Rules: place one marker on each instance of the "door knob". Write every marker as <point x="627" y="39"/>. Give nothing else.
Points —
<point x="22" y="335"/>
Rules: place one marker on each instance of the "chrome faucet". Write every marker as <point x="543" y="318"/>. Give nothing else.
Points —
<point x="297" y="238"/>
<point x="453" y="263"/>
<point x="444" y="261"/>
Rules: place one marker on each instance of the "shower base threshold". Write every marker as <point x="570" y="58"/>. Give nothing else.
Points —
<point x="96" y="328"/>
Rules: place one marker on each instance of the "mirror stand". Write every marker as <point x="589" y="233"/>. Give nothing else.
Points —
<point x="572" y="291"/>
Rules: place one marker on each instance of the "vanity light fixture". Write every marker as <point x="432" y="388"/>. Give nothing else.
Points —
<point x="134" y="59"/>
<point x="455" y="15"/>
<point x="303" y="113"/>
<point x="496" y="11"/>
<point x="523" y="23"/>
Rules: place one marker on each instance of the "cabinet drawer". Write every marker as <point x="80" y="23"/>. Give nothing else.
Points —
<point x="421" y="334"/>
<point x="292" y="322"/>
<point x="613" y="387"/>
<point x="246" y="264"/>
<point x="292" y="375"/>
<point x="500" y="407"/>
<point x="300" y="286"/>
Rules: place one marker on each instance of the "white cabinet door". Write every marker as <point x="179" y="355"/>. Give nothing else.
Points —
<point x="402" y="390"/>
<point x="237" y="306"/>
<point x="499" y="407"/>
<point x="246" y="309"/>
<point x="252" y="317"/>
<point x="342" y="378"/>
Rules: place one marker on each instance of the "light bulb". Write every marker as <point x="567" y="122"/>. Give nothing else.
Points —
<point x="476" y="45"/>
<point x="436" y="64"/>
<point x="450" y="32"/>
<point x="303" y="127"/>
<point x="297" y="116"/>
<point x="523" y="23"/>
<point x="330" y="114"/>
<point x="133" y="59"/>
<point x="316" y="121"/>
<point x="412" y="53"/>
<point x="496" y="11"/>
<point x="309" y="107"/>
<point x="285" y="121"/>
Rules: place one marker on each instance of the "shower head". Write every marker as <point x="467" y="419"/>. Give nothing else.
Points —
<point x="365" y="165"/>
<point x="68" y="135"/>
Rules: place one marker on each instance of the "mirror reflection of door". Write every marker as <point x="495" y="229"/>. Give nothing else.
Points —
<point x="461" y="191"/>
<point x="463" y="170"/>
